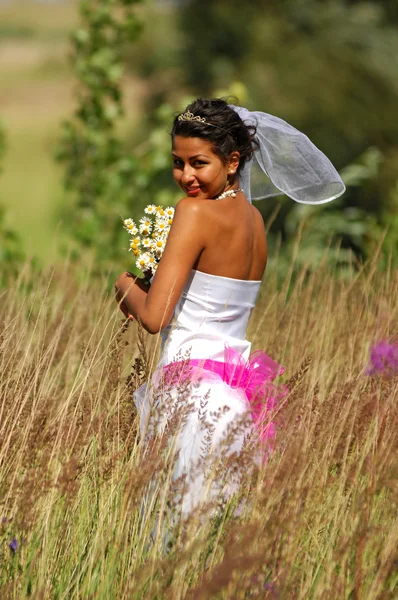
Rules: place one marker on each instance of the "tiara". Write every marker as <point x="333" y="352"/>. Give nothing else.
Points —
<point x="188" y="116"/>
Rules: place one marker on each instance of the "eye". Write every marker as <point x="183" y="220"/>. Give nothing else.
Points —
<point x="177" y="162"/>
<point x="200" y="162"/>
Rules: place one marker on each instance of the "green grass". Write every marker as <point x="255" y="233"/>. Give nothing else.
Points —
<point x="318" y="521"/>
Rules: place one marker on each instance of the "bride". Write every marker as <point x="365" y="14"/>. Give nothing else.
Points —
<point x="209" y="276"/>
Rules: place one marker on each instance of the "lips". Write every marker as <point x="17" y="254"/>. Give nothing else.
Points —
<point x="192" y="191"/>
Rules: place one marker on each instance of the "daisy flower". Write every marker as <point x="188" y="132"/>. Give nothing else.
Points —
<point x="134" y="245"/>
<point x="147" y="243"/>
<point x="169" y="212"/>
<point x="150" y="209"/>
<point x="160" y="211"/>
<point x="158" y="244"/>
<point x="161" y="226"/>
<point x="143" y="261"/>
<point x="145" y="226"/>
<point x="130" y="226"/>
<point x="151" y="260"/>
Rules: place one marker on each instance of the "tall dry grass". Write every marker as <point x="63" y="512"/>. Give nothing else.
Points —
<point x="88" y="511"/>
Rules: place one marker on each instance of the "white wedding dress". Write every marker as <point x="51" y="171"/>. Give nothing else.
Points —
<point x="211" y="314"/>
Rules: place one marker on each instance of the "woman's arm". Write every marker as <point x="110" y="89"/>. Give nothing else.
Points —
<point x="155" y="306"/>
<point x="123" y="284"/>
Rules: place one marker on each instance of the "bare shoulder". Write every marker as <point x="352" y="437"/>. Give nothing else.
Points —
<point x="188" y="216"/>
<point x="258" y="218"/>
<point x="188" y="206"/>
<point x="189" y="213"/>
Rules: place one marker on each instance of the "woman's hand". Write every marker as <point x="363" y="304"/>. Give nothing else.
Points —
<point x="125" y="310"/>
<point x="123" y="288"/>
<point x="119" y="294"/>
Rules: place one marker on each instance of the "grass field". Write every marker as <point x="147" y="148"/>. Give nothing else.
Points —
<point x="86" y="507"/>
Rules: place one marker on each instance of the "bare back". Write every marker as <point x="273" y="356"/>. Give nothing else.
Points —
<point x="235" y="241"/>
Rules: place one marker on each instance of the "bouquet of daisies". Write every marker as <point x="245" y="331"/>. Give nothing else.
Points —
<point x="148" y="237"/>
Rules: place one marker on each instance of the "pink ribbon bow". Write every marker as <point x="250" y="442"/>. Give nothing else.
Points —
<point x="254" y="377"/>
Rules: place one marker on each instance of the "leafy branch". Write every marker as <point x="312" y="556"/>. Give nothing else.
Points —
<point x="99" y="171"/>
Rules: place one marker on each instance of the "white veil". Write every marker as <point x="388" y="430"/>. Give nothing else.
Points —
<point x="293" y="165"/>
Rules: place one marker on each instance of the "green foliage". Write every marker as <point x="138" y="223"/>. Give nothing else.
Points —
<point x="99" y="170"/>
<point x="224" y="34"/>
<point x="11" y="254"/>
<point x="328" y="68"/>
<point x="339" y="234"/>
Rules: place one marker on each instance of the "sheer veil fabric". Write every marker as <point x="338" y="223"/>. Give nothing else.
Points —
<point x="286" y="162"/>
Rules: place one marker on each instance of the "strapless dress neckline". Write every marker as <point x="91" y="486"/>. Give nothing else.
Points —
<point x="257" y="281"/>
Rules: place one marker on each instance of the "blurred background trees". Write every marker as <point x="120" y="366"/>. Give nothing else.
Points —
<point x="328" y="67"/>
<point x="11" y="253"/>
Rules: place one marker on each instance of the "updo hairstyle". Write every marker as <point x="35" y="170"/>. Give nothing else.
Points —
<point x="224" y="129"/>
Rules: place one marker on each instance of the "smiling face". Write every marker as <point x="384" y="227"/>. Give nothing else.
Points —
<point x="198" y="171"/>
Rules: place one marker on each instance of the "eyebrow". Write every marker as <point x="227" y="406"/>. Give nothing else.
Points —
<point x="194" y="156"/>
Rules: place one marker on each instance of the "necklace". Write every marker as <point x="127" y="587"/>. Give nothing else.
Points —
<point x="227" y="193"/>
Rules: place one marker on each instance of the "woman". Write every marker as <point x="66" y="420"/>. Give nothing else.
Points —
<point x="211" y="270"/>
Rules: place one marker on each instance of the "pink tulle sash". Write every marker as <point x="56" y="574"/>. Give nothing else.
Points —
<point x="255" y="377"/>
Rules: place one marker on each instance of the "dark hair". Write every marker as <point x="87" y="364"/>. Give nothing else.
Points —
<point x="223" y="128"/>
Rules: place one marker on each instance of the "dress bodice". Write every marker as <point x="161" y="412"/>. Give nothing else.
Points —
<point x="211" y="312"/>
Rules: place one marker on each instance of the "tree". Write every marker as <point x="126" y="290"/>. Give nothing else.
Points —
<point x="100" y="171"/>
